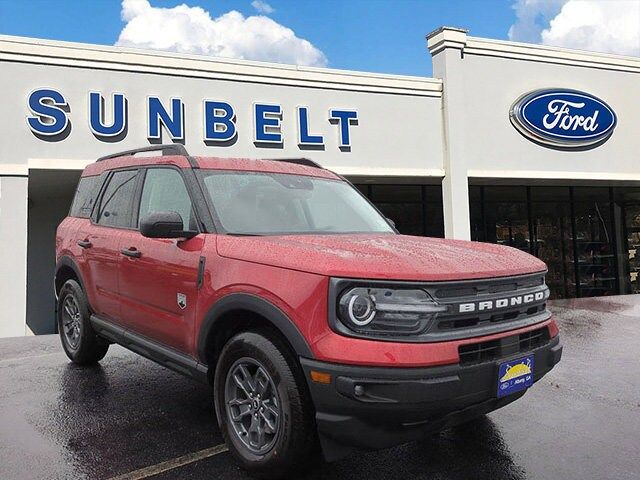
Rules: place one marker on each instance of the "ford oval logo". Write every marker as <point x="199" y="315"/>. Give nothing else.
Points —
<point x="563" y="118"/>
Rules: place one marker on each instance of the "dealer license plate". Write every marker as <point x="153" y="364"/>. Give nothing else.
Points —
<point x="515" y="375"/>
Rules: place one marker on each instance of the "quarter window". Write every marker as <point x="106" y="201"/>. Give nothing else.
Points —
<point x="116" y="204"/>
<point x="85" y="197"/>
<point x="164" y="191"/>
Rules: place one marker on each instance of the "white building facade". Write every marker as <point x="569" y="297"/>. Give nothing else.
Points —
<point x="453" y="156"/>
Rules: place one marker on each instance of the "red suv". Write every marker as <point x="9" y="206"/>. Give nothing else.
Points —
<point x="277" y="282"/>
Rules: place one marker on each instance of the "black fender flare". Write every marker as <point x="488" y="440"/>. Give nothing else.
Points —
<point x="66" y="261"/>
<point x="259" y="306"/>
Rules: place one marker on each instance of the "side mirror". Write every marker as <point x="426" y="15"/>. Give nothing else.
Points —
<point x="164" y="225"/>
<point x="391" y="222"/>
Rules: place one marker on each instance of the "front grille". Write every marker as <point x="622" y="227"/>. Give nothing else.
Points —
<point x="496" y="285"/>
<point x="533" y="339"/>
<point x="489" y="305"/>
<point x="503" y="347"/>
<point x="495" y="318"/>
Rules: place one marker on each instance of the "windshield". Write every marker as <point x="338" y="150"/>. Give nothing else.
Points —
<point x="257" y="203"/>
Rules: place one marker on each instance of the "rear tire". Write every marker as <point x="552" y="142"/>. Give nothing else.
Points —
<point x="255" y="377"/>
<point x="79" y="341"/>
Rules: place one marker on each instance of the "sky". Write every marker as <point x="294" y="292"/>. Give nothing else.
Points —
<point x="386" y="36"/>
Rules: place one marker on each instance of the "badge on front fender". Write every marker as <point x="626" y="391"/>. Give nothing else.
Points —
<point x="182" y="301"/>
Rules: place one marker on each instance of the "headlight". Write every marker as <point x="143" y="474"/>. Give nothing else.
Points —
<point x="385" y="311"/>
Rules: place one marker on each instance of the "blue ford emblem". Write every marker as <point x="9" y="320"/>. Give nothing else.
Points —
<point x="563" y="118"/>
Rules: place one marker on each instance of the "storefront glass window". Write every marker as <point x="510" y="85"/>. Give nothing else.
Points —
<point x="632" y="216"/>
<point x="552" y="238"/>
<point x="476" y="213"/>
<point x="415" y="209"/>
<point x="577" y="231"/>
<point x="594" y="242"/>
<point x="627" y="207"/>
<point x="506" y="219"/>
<point x="402" y="204"/>
<point x="434" y="214"/>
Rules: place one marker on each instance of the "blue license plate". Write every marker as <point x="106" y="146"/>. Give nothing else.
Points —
<point x="515" y="375"/>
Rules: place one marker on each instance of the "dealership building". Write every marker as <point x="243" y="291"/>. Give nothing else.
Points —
<point x="524" y="145"/>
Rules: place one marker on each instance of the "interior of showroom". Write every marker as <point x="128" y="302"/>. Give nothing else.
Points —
<point x="440" y="156"/>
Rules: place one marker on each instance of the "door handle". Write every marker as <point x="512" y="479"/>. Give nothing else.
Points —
<point x="131" y="252"/>
<point x="84" y="243"/>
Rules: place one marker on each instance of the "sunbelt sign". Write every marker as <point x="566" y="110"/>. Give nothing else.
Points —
<point x="50" y="119"/>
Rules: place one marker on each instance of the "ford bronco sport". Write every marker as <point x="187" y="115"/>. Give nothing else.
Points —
<point x="278" y="283"/>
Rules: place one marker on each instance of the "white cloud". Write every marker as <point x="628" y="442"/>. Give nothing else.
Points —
<point x="532" y="16"/>
<point x="611" y="26"/>
<point x="262" y="7"/>
<point x="603" y="26"/>
<point x="186" y="29"/>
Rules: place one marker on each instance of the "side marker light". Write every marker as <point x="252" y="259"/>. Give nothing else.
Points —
<point x="320" y="377"/>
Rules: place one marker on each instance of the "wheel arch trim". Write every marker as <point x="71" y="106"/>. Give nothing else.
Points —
<point x="66" y="261"/>
<point x="245" y="301"/>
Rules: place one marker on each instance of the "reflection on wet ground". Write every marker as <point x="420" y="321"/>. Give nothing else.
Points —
<point x="582" y="421"/>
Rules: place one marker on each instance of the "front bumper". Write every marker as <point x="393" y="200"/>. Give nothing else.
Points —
<point x="373" y="407"/>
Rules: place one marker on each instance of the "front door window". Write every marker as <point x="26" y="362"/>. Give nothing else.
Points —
<point x="164" y="191"/>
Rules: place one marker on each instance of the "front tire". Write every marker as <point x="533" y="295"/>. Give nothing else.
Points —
<point x="263" y="406"/>
<point x="79" y="341"/>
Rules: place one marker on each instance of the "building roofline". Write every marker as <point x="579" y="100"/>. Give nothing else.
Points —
<point x="54" y="52"/>
<point x="444" y="28"/>
<point x="448" y="37"/>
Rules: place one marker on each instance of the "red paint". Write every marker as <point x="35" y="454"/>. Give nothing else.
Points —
<point x="335" y="348"/>
<point x="291" y="272"/>
<point x="382" y="256"/>
<point x="121" y="162"/>
<point x="149" y="285"/>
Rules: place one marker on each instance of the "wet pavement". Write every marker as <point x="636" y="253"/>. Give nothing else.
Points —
<point x="582" y="421"/>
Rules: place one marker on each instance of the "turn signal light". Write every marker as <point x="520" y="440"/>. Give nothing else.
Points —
<point x="320" y="377"/>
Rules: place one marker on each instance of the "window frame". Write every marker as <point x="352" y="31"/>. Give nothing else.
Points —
<point x="100" y="179"/>
<point x="103" y="188"/>
<point x="140" y="186"/>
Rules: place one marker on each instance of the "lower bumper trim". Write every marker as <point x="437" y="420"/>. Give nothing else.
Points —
<point x="373" y="407"/>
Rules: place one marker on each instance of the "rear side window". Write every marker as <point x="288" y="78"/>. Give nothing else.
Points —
<point x="116" y="204"/>
<point x="85" y="197"/>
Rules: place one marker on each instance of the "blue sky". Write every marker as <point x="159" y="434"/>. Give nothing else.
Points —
<point x="372" y="35"/>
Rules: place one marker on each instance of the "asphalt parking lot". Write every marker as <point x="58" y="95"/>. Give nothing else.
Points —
<point x="132" y="419"/>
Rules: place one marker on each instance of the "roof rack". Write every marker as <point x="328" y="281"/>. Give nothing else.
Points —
<point x="298" y="161"/>
<point x="180" y="150"/>
<point x="170" y="149"/>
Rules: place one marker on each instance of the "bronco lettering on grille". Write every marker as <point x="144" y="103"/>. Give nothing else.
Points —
<point x="502" y="302"/>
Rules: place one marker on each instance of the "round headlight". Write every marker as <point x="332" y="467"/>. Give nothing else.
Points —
<point x="387" y="310"/>
<point x="361" y="309"/>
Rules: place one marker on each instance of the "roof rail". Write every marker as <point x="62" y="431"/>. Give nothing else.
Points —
<point x="298" y="161"/>
<point x="170" y="149"/>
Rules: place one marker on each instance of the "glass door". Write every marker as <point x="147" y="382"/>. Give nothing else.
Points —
<point x="628" y="200"/>
<point x="593" y="241"/>
<point x="552" y="238"/>
<point x="632" y="221"/>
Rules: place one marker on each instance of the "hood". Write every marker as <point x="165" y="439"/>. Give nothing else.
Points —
<point x="381" y="256"/>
